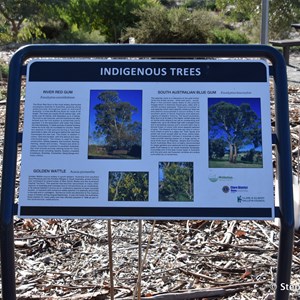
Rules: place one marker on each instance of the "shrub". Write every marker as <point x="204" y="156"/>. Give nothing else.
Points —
<point x="227" y="36"/>
<point x="81" y="36"/>
<point x="175" y="25"/>
<point x="3" y="70"/>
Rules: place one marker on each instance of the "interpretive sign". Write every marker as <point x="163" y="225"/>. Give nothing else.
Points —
<point x="151" y="139"/>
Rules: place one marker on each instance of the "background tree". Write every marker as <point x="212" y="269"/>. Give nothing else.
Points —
<point x="176" y="182"/>
<point x="157" y="21"/>
<point x="169" y="3"/>
<point x="196" y="4"/>
<point x="114" y="122"/>
<point x="192" y="4"/>
<point x="281" y="14"/>
<point x="81" y="13"/>
<point x="239" y="126"/>
<point x="128" y="186"/>
<point x="17" y="12"/>
<point x="109" y="17"/>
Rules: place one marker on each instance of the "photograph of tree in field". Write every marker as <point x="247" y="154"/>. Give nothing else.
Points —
<point x="128" y="186"/>
<point x="235" y="138"/>
<point x="115" y="124"/>
<point x="176" y="181"/>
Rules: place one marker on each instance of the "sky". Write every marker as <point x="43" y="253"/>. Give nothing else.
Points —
<point x="134" y="97"/>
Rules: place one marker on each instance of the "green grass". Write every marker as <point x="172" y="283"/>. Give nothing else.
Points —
<point x="227" y="164"/>
<point x="110" y="156"/>
<point x="93" y="154"/>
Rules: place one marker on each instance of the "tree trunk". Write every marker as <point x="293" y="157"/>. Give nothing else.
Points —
<point x="230" y="153"/>
<point x="235" y="153"/>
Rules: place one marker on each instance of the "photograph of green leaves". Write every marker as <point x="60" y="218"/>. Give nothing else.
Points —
<point x="176" y="181"/>
<point x="128" y="186"/>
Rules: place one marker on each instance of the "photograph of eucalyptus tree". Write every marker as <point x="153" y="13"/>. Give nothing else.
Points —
<point x="115" y="124"/>
<point x="235" y="135"/>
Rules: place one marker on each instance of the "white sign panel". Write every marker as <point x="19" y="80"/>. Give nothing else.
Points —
<point x="151" y="139"/>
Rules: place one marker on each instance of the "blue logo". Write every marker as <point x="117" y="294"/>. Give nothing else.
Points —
<point x="225" y="189"/>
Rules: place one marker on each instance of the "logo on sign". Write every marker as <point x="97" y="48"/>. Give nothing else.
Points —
<point x="215" y="178"/>
<point x="225" y="189"/>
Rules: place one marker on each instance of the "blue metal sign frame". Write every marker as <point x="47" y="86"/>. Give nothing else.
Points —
<point x="281" y="137"/>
